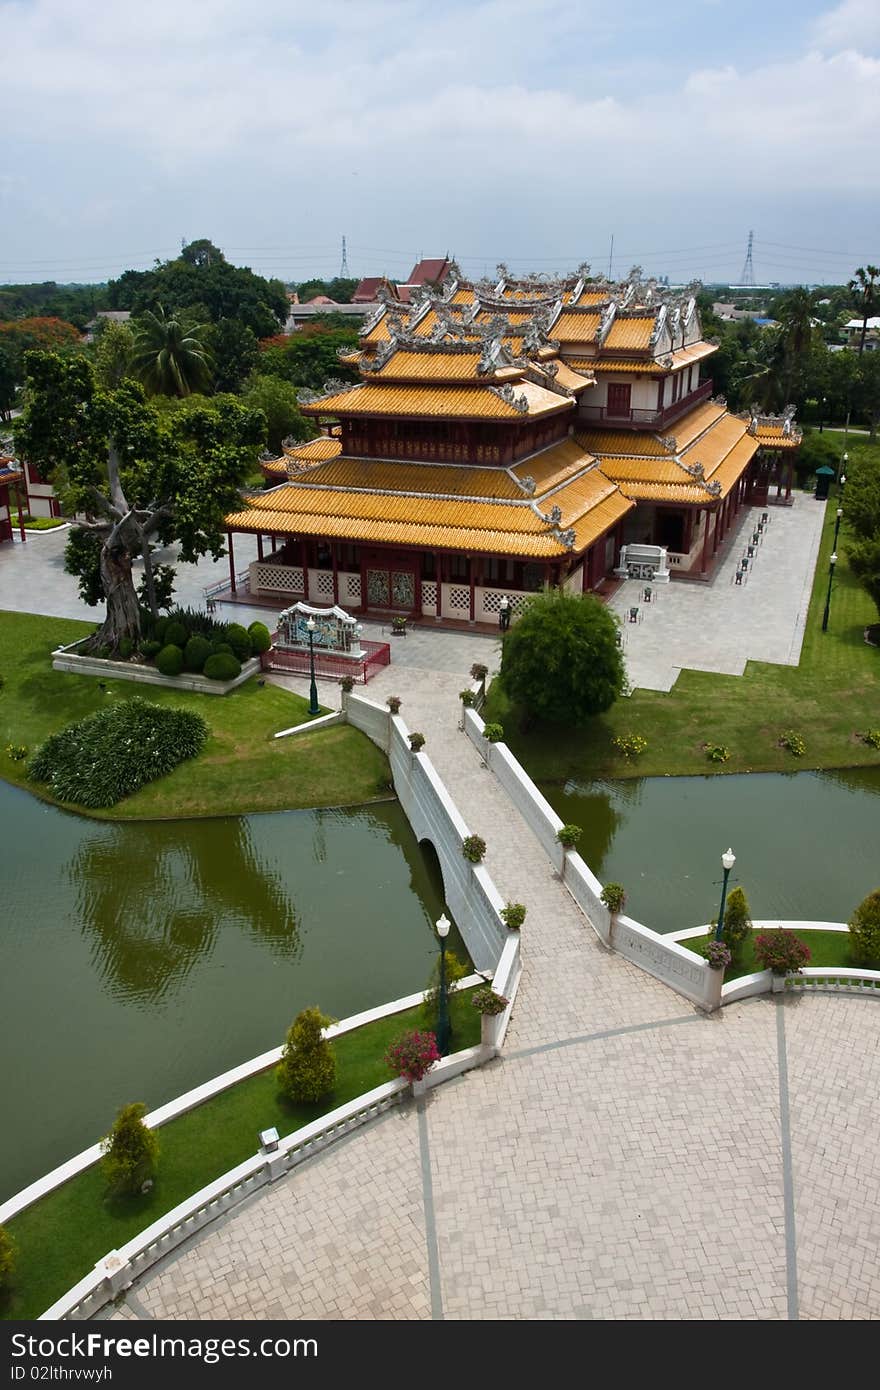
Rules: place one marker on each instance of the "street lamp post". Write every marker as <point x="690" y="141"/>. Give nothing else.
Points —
<point x="843" y="467"/>
<point x="831" y="563"/>
<point x="837" y="522"/>
<point x="314" y="707"/>
<point x="444" y="1029"/>
<point x="728" y="859"/>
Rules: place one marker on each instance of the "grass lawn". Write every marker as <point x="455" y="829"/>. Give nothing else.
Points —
<point x="63" y="1236"/>
<point x="829" y="699"/>
<point x="242" y="767"/>
<point x="38" y="523"/>
<point x="826" y="948"/>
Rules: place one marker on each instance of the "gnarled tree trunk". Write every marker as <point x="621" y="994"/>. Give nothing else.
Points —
<point x="123" y="612"/>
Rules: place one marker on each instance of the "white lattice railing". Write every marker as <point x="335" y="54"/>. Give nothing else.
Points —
<point x="285" y="579"/>
<point x="488" y="602"/>
<point x="458" y="598"/>
<point x="321" y="584"/>
<point x="429" y="597"/>
<point x="349" y="588"/>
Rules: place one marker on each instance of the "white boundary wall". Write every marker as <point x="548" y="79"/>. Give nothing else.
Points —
<point x="67" y="659"/>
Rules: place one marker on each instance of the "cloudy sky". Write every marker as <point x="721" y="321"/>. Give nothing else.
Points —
<point x="530" y="131"/>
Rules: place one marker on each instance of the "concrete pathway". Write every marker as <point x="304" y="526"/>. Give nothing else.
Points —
<point x="721" y="625"/>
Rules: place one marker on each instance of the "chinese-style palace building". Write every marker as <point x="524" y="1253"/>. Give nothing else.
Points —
<point x="506" y="436"/>
<point x="10" y="476"/>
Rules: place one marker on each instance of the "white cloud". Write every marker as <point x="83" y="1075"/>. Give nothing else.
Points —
<point x="851" y="24"/>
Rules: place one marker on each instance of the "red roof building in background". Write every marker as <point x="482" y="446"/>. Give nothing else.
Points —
<point x="428" y="272"/>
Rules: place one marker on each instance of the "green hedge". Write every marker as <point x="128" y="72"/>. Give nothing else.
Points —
<point x="170" y="660"/>
<point x="100" y="760"/>
<point x="222" y="666"/>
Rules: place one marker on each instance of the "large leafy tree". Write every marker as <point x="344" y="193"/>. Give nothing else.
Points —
<point x="561" y="661"/>
<point x="865" y="289"/>
<point x="310" y="357"/>
<point x="170" y="359"/>
<point x="278" y="402"/>
<point x="138" y="478"/>
<point x="235" y="353"/>
<point x="863" y="520"/>
<point x="114" y="353"/>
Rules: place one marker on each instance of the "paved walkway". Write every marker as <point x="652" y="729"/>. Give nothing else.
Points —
<point x="721" y="625"/>
<point x="626" y="1158"/>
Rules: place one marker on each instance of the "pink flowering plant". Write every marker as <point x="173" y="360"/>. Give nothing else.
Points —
<point x="412" y="1055"/>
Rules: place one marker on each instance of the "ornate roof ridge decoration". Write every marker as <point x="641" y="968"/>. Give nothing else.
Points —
<point x="718" y="400"/>
<point x="371" y="321"/>
<point x="551" y="518"/>
<point x="493" y="357"/>
<point x="566" y="538"/>
<point x="669" y="442"/>
<point x="609" y="313"/>
<point x="528" y="484"/>
<point x="659" y="325"/>
<point x="506" y="393"/>
<point x="784" y="421"/>
<point x="349" y="489"/>
<point x="264" y="456"/>
<point x="698" y="473"/>
<point x="333" y="386"/>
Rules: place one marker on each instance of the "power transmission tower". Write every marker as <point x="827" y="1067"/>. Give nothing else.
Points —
<point x="343" y="269"/>
<point x="747" y="279"/>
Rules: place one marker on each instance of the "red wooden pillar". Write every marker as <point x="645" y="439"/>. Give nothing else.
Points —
<point x="272" y="538"/>
<point x="587" y="568"/>
<point x="688" y="532"/>
<point x="704" y="563"/>
<point x="438" y="565"/>
<point x="304" y="558"/>
<point x="788" y="476"/>
<point x="335" y="572"/>
<point x="259" y="547"/>
<point x="418" y="585"/>
<point x="231" y="562"/>
<point x="715" y="533"/>
<point x="472" y="576"/>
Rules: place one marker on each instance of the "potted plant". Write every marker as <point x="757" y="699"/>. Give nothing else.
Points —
<point x="398" y="625"/>
<point x="513" y="916"/>
<point x="613" y="896"/>
<point x="493" y="733"/>
<point x="467" y="697"/>
<point x="717" y="955"/>
<point x="394" y="702"/>
<point x="568" y="835"/>
<point x="473" y="847"/>
<point x="416" y="742"/>
<point x="486" y="1001"/>
<point x="782" y="952"/>
<point x="347" y="684"/>
<point x="479" y="672"/>
<point x="412" y="1056"/>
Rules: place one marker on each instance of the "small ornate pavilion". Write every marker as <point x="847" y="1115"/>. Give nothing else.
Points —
<point x="506" y="436"/>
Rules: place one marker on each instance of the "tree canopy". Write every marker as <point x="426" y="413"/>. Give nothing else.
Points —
<point x="140" y="478"/>
<point x="310" y="357"/>
<point x="169" y="358"/>
<point x="561" y="661"/>
<point x="277" y="400"/>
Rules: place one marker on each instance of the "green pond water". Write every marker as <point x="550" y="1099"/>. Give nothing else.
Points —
<point x="137" y="961"/>
<point x="807" y="844"/>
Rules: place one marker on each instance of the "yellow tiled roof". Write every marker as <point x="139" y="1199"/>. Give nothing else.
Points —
<point x="387" y="475"/>
<point x="314" y="450"/>
<point x="636" y="470"/>
<point x="592" y="295"/>
<point x="465" y="403"/>
<point x="771" y="437"/>
<point x="378" y="333"/>
<point x="572" y="380"/>
<point x="633" y="334"/>
<point x="573" y="327"/>
<point x="436" y="366"/>
<point x="709" y="445"/>
<point x="680" y="359"/>
<point x="623" y="442"/>
<point x="687" y="428"/>
<point x="554" y="465"/>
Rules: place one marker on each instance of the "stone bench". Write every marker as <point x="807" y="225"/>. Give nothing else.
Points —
<point x="643" y="562"/>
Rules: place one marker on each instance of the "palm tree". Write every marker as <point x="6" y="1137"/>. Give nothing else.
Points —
<point x="863" y="288"/>
<point x="170" y="359"/>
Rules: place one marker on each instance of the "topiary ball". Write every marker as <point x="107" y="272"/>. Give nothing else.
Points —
<point x="170" y="660"/>
<point x="160" y="627"/>
<point x="239" y="641"/>
<point x="196" y="653"/>
<point x="261" y="638"/>
<point x="222" y="666"/>
<point x="219" y="647"/>
<point x="150" y="649"/>
<point x="176" y="635"/>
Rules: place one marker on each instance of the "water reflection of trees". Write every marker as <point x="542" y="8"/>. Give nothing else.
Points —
<point x="152" y="897"/>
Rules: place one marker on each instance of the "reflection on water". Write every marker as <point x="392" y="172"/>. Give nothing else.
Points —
<point x="138" y="960"/>
<point x="149" y="916"/>
<point x="806" y="843"/>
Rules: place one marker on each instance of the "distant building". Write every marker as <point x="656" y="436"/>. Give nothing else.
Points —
<point x="853" y="332"/>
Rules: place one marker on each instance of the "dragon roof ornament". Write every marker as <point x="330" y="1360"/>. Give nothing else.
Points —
<point x="506" y="393"/>
<point x="609" y="313"/>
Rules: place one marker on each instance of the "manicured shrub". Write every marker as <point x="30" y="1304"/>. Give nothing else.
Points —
<point x="176" y="634"/>
<point x="159" y="628"/>
<point x="717" y="752"/>
<point x="261" y="638"/>
<point x="561" y="662"/>
<point x="219" y="647"/>
<point x="613" y="896"/>
<point x="513" y="915"/>
<point x="99" y="760"/>
<point x="412" y="1055"/>
<point x="467" y="697"/>
<point x="150" y="648"/>
<point x="871" y="737"/>
<point x="222" y="666"/>
<point x="473" y="847"/>
<point x="170" y="660"/>
<point x="347" y="683"/>
<point x="737" y="926"/>
<point x="130" y="1151"/>
<point x="568" y="835"/>
<point x="394" y="702"/>
<point x="308" y="1064"/>
<point x="196" y="653"/>
<point x="416" y="742"/>
<point x="126" y="647"/>
<point x="781" y="951"/>
<point x="238" y="639"/>
<point x="486" y="1001"/>
<point x="8" y="1253"/>
<point x="493" y="733"/>
<point x="864" y="930"/>
<point x="630" y="745"/>
<point x="17" y="752"/>
<point x="793" y="742"/>
<point x="479" y="672"/>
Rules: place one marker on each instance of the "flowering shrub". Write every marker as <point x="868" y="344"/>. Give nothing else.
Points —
<point x="394" y="702"/>
<point x="613" y="896"/>
<point x="630" y="745"/>
<point x="568" y="835"/>
<point x="412" y="1055"/>
<point x="416" y="742"/>
<point x="717" y="752"/>
<point x="871" y="737"/>
<point x="17" y="751"/>
<point x="487" y="1001"/>
<point x="781" y="951"/>
<point x="493" y="733"/>
<point x="793" y="742"/>
<point x="513" y="916"/>
<point x="473" y="847"/>
<point x="718" y="955"/>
